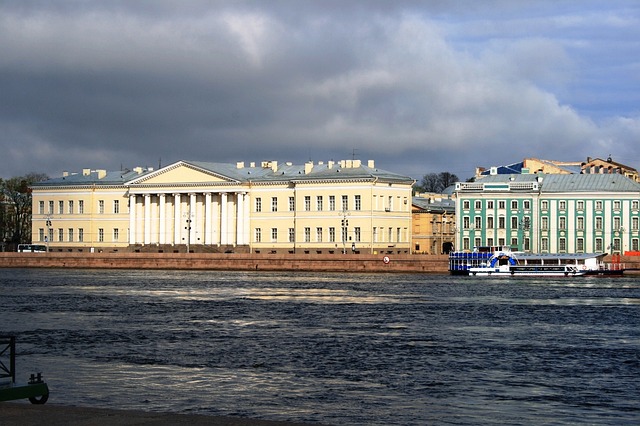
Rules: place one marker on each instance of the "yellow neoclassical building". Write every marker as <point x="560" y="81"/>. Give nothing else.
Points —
<point x="326" y="207"/>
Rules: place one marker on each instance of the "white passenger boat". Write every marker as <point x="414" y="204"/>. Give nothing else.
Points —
<point x="501" y="261"/>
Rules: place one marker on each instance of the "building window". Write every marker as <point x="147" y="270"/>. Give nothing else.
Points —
<point x="477" y="242"/>
<point x="50" y="236"/>
<point x="292" y="204"/>
<point x="514" y="242"/>
<point x="319" y="234"/>
<point x="274" y="204"/>
<point x="41" y="207"/>
<point x="501" y="222"/>
<point x="635" y="205"/>
<point x="502" y="204"/>
<point x="116" y="234"/>
<point x="598" y="225"/>
<point x="356" y="233"/>
<point x="478" y="222"/>
<point x="307" y="203"/>
<point x="390" y="234"/>
<point x="101" y="235"/>
<point x="514" y="204"/>
<point x="599" y="245"/>
<point x="634" y="244"/>
<point x="580" y="245"/>
<point x="332" y="202"/>
<point x="100" y="206"/>
<point x="319" y="200"/>
<point x="616" y="244"/>
<point x="634" y="223"/>
<point x="616" y="205"/>
<point x="116" y="206"/>
<point x="60" y="207"/>
<point x="358" y="202"/>
<point x="258" y="235"/>
<point x="490" y="242"/>
<point x="562" y="205"/>
<point x="258" y="204"/>
<point x="345" y="202"/>
<point x="465" y="204"/>
<point x="307" y="235"/>
<point x="490" y="204"/>
<point x="580" y="205"/>
<point x="398" y="235"/>
<point x="70" y="206"/>
<point x="580" y="223"/>
<point x="292" y="235"/>
<point x="70" y="234"/>
<point x="514" y="222"/>
<point x="544" y="222"/>
<point x="60" y="234"/>
<point x="490" y="222"/>
<point x="562" y="222"/>
<point x="616" y="223"/>
<point x="80" y="234"/>
<point x="465" y="243"/>
<point x="544" y="205"/>
<point x="81" y="207"/>
<point x="332" y="234"/>
<point x="274" y="235"/>
<point x="526" y="205"/>
<point x="544" y="244"/>
<point x="598" y="205"/>
<point x="562" y="245"/>
<point x="50" y="207"/>
<point x="465" y="222"/>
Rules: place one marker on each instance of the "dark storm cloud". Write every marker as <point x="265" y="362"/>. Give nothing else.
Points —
<point x="419" y="88"/>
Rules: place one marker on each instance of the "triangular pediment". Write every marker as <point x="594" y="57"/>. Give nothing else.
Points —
<point x="181" y="173"/>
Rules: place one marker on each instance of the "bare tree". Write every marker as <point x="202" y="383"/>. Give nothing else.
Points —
<point x="16" y="216"/>
<point x="436" y="182"/>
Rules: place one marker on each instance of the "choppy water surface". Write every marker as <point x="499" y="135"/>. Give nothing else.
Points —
<point x="331" y="348"/>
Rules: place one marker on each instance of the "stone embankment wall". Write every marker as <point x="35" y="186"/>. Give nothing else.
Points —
<point x="246" y="262"/>
<point x="231" y="261"/>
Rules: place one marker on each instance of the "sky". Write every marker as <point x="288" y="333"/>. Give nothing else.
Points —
<point x="418" y="86"/>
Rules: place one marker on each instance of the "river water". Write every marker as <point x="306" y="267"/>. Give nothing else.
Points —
<point x="358" y="349"/>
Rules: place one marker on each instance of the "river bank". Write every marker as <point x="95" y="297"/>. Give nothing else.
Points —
<point x="231" y="262"/>
<point x="248" y="262"/>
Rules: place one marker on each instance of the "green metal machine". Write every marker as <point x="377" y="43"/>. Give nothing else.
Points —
<point x="36" y="390"/>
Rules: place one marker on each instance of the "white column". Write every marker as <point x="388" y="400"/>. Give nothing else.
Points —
<point x="224" y="225"/>
<point x="192" y="223"/>
<point x="147" y="218"/>
<point x="240" y="218"/>
<point x="163" y="220"/>
<point x="207" y="218"/>
<point x="176" y="219"/>
<point x="132" y="219"/>
<point x="247" y="215"/>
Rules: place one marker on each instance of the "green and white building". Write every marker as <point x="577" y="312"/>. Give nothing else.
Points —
<point x="549" y="213"/>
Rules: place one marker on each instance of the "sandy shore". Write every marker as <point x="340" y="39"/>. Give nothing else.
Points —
<point x="17" y="414"/>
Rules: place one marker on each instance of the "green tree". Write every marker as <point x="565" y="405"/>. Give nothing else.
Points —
<point x="16" y="208"/>
<point x="436" y="182"/>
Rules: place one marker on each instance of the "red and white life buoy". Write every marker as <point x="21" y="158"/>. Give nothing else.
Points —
<point x="386" y="259"/>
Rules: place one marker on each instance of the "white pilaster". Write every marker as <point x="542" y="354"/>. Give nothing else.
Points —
<point x="132" y="219"/>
